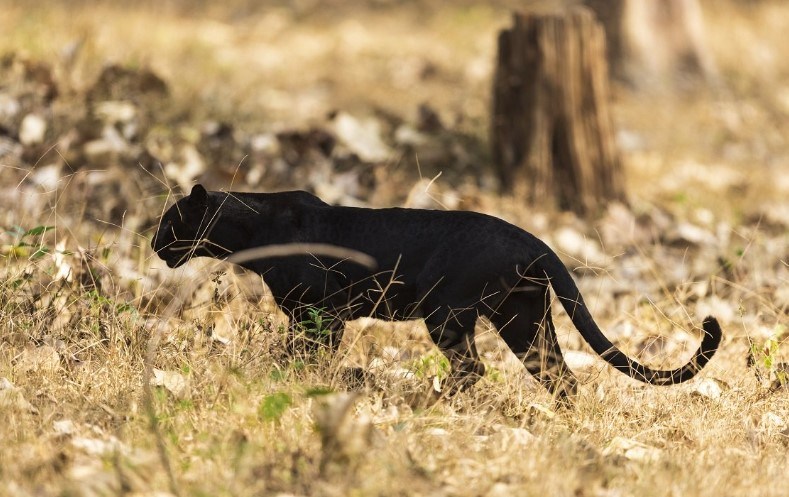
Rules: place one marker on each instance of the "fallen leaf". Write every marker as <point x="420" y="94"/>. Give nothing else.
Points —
<point x="539" y="410"/>
<point x="173" y="381"/>
<point x="38" y="359"/>
<point x="507" y="438"/>
<point x="632" y="450"/>
<point x="771" y="422"/>
<point x="437" y="384"/>
<point x="709" y="388"/>
<point x="98" y="446"/>
<point x="12" y="398"/>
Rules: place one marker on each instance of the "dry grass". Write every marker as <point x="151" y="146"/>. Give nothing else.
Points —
<point x="234" y="417"/>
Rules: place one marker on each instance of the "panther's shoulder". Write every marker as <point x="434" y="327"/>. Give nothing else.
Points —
<point x="305" y="198"/>
<point x="295" y="198"/>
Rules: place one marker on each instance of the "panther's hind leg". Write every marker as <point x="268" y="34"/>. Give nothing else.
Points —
<point x="524" y="323"/>
<point x="453" y="333"/>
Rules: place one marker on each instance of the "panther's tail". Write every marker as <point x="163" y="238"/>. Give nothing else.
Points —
<point x="572" y="301"/>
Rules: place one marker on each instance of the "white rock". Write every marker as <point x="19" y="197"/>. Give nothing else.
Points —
<point x="437" y="432"/>
<point x="47" y="177"/>
<point x="116" y="111"/>
<point x="32" y="129"/>
<point x="715" y="306"/>
<point x="64" y="427"/>
<point x="266" y="143"/>
<point x="573" y="243"/>
<point x="407" y="135"/>
<point x="190" y="167"/>
<point x="690" y="233"/>
<point x="97" y="446"/>
<point x="9" y="106"/>
<point x="362" y="137"/>
<point x="708" y="388"/>
<point x="578" y="360"/>
<point x="111" y="142"/>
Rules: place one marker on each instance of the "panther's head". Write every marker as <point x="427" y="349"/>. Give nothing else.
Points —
<point x="184" y="229"/>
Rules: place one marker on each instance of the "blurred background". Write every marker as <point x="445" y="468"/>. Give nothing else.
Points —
<point x="262" y="91"/>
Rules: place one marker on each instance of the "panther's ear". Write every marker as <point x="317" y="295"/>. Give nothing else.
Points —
<point x="198" y="197"/>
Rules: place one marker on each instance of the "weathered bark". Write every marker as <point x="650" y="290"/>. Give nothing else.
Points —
<point x="552" y="136"/>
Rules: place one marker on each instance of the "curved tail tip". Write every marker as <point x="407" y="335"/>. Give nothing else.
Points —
<point x="711" y="326"/>
<point x="712" y="335"/>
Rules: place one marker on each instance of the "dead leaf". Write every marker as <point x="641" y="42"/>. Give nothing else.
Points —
<point x="508" y="438"/>
<point x="541" y="411"/>
<point x="98" y="446"/>
<point x="173" y="381"/>
<point x="771" y="422"/>
<point x="64" y="270"/>
<point x="632" y="450"/>
<point x="38" y="360"/>
<point x="12" y="398"/>
<point x="709" y="388"/>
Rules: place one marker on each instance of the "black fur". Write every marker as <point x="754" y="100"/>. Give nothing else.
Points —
<point x="447" y="267"/>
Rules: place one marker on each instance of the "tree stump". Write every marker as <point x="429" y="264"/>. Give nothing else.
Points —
<point x="552" y="135"/>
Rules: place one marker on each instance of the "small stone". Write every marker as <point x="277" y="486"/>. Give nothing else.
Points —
<point x="32" y="130"/>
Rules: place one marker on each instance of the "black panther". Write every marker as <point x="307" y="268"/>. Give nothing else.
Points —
<point x="446" y="267"/>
